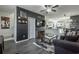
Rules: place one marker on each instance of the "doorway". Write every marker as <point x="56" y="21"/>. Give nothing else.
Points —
<point x="31" y="27"/>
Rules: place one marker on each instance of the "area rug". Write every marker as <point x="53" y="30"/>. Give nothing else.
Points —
<point x="46" y="47"/>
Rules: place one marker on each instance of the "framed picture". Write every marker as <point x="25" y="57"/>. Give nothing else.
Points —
<point x="5" y="22"/>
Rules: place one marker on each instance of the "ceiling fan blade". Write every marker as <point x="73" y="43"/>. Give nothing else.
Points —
<point x="53" y="10"/>
<point x="55" y="6"/>
<point x="42" y="10"/>
<point x="47" y="6"/>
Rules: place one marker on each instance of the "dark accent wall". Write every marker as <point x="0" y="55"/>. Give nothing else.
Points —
<point x="75" y="22"/>
<point x="22" y="25"/>
<point x="22" y="28"/>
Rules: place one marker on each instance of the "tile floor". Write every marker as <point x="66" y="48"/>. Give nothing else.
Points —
<point x="27" y="47"/>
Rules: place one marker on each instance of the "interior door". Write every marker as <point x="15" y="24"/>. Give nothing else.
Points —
<point x="31" y="27"/>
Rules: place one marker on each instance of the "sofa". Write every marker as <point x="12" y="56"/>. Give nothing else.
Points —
<point x="1" y="44"/>
<point x="66" y="47"/>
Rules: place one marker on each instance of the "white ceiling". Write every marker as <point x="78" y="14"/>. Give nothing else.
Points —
<point x="7" y="8"/>
<point x="61" y="10"/>
<point x="34" y="8"/>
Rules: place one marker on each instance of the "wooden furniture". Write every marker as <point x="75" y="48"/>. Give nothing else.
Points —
<point x="41" y="35"/>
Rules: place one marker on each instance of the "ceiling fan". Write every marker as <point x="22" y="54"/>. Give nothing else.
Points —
<point x="49" y="8"/>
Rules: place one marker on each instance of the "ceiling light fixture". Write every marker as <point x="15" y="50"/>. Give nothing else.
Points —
<point x="49" y="10"/>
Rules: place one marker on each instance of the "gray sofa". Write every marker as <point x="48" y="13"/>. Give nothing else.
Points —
<point x="66" y="47"/>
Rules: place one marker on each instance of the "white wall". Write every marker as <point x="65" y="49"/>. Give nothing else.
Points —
<point x="7" y="32"/>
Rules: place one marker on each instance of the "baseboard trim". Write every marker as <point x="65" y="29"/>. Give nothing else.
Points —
<point x="22" y="41"/>
<point x="8" y="39"/>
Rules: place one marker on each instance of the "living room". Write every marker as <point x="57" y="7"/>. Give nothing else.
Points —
<point x="39" y="29"/>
